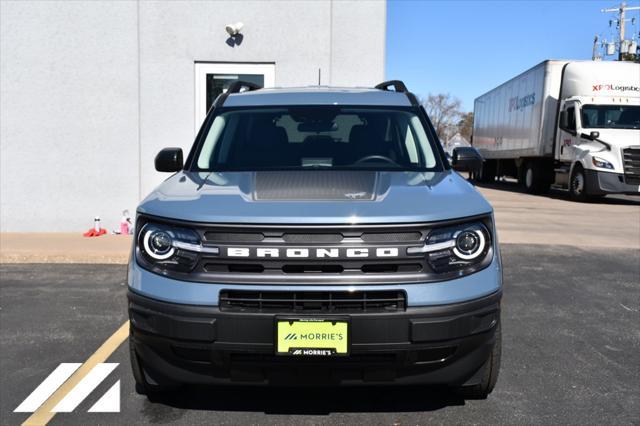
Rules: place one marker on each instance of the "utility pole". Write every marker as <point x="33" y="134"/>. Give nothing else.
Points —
<point x="621" y="21"/>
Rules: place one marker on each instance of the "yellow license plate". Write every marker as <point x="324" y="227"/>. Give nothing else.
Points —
<point x="312" y="337"/>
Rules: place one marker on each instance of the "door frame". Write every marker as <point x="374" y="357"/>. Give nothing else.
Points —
<point x="202" y="68"/>
<point x="565" y="151"/>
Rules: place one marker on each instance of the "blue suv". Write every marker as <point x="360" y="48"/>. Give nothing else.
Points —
<point x="313" y="236"/>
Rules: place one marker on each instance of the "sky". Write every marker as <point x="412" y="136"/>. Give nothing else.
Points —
<point x="466" y="48"/>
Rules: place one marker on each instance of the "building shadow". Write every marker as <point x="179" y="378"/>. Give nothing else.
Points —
<point x="310" y="401"/>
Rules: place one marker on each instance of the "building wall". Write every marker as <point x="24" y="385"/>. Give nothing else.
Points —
<point x="69" y="113"/>
<point x="91" y="91"/>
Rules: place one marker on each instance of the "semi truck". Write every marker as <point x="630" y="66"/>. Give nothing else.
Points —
<point x="570" y="124"/>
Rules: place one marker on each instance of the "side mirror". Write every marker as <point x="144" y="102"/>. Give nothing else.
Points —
<point x="591" y="136"/>
<point x="169" y="160"/>
<point x="466" y="159"/>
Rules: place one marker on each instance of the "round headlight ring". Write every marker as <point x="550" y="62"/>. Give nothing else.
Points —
<point x="158" y="244"/>
<point x="470" y="244"/>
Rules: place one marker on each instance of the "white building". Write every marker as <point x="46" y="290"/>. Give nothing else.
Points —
<point x="455" y="141"/>
<point x="91" y="91"/>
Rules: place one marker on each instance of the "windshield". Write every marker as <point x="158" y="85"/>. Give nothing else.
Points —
<point x="611" y="116"/>
<point x="316" y="137"/>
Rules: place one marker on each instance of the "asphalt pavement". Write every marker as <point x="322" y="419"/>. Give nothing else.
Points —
<point x="571" y="354"/>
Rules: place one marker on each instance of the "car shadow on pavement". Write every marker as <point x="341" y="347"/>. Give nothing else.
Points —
<point x="311" y="401"/>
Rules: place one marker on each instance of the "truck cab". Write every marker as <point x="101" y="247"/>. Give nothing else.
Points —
<point x="598" y="140"/>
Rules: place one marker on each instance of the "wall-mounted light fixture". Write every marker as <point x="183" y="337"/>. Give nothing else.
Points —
<point x="234" y="29"/>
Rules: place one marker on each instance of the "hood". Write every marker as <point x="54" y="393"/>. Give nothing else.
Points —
<point x="618" y="138"/>
<point x="315" y="197"/>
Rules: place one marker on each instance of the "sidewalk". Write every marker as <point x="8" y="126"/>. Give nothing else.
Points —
<point x="63" y="248"/>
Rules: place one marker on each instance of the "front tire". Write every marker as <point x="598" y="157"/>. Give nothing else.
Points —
<point x="489" y="374"/>
<point x="578" y="188"/>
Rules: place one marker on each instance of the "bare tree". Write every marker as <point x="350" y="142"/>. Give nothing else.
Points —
<point x="465" y="126"/>
<point x="444" y="112"/>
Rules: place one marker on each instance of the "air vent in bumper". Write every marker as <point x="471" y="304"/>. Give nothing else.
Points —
<point x="312" y="302"/>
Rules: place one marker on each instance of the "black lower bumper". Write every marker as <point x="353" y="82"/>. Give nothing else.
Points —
<point x="601" y="183"/>
<point x="446" y="344"/>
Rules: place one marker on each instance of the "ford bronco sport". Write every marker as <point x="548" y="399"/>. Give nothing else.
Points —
<point x="315" y="236"/>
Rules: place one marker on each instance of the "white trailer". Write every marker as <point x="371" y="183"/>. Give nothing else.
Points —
<point x="575" y="124"/>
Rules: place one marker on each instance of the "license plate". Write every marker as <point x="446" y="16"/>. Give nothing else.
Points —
<point x="312" y="337"/>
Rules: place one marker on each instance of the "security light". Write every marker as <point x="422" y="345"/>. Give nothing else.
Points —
<point x="234" y="29"/>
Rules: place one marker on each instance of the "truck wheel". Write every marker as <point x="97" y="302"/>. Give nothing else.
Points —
<point x="578" y="188"/>
<point x="534" y="179"/>
<point x="490" y="373"/>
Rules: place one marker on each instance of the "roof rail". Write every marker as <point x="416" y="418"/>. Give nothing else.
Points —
<point x="398" y="86"/>
<point x="236" y="87"/>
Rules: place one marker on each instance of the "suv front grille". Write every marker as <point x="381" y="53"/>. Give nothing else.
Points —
<point x="631" y="160"/>
<point x="319" y="237"/>
<point x="246" y="266"/>
<point x="312" y="302"/>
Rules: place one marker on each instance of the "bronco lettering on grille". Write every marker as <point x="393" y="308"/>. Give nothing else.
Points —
<point x="318" y="253"/>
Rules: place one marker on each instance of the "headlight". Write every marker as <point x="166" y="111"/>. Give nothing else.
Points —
<point x="463" y="248"/>
<point x="167" y="247"/>
<point x="158" y="244"/>
<point x="599" y="162"/>
<point x="470" y="243"/>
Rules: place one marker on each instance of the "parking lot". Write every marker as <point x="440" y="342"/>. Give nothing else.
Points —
<point x="571" y="324"/>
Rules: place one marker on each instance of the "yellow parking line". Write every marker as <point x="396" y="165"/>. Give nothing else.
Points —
<point x="43" y="415"/>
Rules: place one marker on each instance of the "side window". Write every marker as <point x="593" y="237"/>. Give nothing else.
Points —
<point x="571" y="118"/>
<point x="206" y="153"/>
<point x="423" y="141"/>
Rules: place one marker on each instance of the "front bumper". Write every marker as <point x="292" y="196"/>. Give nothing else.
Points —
<point x="469" y="287"/>
<point x="601" y="183"/>
<point x="445" y="344"/>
